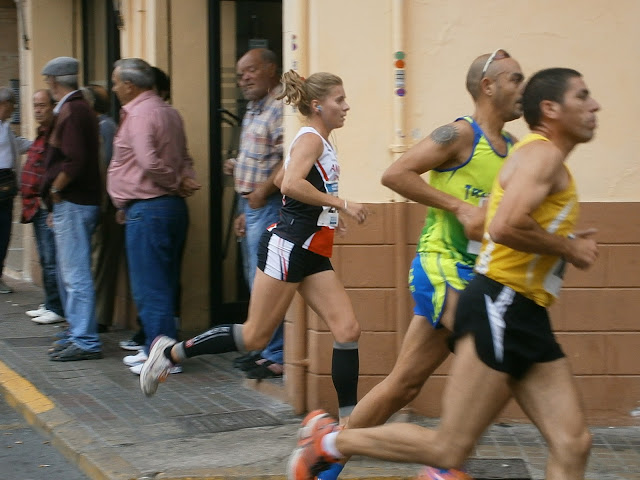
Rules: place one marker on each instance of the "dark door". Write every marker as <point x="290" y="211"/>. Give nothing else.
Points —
<point x="234" y="28"/>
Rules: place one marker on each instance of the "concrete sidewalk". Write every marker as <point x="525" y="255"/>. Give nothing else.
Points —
<point x="206" y="423"/>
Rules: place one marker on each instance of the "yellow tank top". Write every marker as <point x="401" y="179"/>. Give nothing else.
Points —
<point x="537" y="277"/>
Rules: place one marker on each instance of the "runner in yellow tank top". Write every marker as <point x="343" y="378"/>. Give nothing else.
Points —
<point x="536" y="276"/>
<point x="503" y="340"/>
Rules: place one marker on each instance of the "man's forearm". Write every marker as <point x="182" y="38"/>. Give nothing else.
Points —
<point x="529" y="237"/>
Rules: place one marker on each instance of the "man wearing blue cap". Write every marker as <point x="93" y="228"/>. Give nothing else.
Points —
<point x="72" y="191"/>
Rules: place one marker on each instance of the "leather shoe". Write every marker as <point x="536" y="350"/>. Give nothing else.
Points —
<point x="74" y="353"/>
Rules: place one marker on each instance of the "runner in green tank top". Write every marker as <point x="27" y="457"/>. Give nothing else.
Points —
<point x="463" y="158"/>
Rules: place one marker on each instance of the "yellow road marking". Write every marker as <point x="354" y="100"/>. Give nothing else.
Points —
<point x="24" y="391"/>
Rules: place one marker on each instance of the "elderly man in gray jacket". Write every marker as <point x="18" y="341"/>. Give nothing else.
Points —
<point x="11" y="147"/>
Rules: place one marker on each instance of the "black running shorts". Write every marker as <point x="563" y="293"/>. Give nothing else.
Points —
<point x="511" y="331"/>
<point x="283" y="260"/>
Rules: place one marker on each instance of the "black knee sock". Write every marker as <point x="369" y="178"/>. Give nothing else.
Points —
<point x="220" y="339"/>
<point x="344" y="372"/>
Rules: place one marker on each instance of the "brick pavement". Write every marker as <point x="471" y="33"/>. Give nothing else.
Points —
<point x="206" y="423"/>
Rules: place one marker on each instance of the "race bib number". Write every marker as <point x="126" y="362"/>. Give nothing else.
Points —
<point x="553" y="280"/>
<point x="328" y="218"/>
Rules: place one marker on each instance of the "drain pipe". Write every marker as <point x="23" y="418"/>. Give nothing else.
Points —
<point x="295" y="46"/>
<point x="398" y="147"/>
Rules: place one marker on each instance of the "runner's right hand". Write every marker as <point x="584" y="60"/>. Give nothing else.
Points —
<point x="583" y="250"/>
<point x="357" y="211"/>
<point x="472" y="219"/>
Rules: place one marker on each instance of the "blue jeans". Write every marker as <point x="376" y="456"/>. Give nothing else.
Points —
<point x="257" y="221"/>
<point x="155" y="233"/>
<point x="47" y="252"/>
<point x="73" y="225"/>
<point x="6" y="211"/>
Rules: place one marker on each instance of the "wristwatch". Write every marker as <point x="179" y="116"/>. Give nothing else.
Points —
<point x="54" y="190"/>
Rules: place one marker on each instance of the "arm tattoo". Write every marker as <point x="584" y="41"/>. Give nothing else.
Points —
<point x="444" y="135"/>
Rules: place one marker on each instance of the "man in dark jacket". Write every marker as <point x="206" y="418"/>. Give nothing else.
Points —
<point x="72" y="190"/>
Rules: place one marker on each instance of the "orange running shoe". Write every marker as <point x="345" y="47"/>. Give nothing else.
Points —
<point x="309" y="459"/>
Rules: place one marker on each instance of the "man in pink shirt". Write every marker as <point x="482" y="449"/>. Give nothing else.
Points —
<point x="148" y="178"/>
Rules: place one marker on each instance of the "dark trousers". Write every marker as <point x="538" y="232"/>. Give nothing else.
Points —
<point x="6" y="220"/>
<point x="108" y="248"/>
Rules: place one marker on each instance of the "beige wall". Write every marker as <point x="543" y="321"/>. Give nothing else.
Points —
<point x="9" y="65"/>
<point x="147" y="30"/>
<point x="190" y="93"/>
<point x="441" y="39"/>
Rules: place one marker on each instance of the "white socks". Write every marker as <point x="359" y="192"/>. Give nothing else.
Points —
<point x="329" y="445"/>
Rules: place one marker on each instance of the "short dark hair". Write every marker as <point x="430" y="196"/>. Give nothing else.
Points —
<point x="102" y="102"/>
<point x="549" y="84"/>
<point x="47" y="92"/>
<point x="162" y="83"/>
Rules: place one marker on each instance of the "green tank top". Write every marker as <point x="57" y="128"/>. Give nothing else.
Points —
<point x="471" y="182"/>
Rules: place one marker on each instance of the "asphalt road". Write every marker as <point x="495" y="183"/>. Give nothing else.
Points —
<point x="25" y="454"/>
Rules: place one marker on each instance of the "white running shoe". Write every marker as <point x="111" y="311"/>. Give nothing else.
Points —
<point x="48" y="318"/>
<point x="157" y="367"/>
<point x="136" y="369"/>
<point x="130" y="345"/>
<point x="38" y="312"/>
<point x="133" y="360"/>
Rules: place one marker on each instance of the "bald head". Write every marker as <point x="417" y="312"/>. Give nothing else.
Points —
<point x="480" y="68"/>
<point x="257" y="73"/>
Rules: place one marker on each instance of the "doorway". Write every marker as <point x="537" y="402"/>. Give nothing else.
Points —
<point x="235" y="26"/>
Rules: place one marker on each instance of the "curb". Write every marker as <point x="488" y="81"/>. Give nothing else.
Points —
<point x="92" y="457"/>
<point x="75" y="444"/>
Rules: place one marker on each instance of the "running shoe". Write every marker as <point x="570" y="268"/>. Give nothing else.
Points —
<point x="137" y="359"/>
<point x="130" y="345"/>
<point x="157" y="368"/>
<point x="309" y="459"/>
<point x="136" y="369"/>
<point x="431" y="473"/>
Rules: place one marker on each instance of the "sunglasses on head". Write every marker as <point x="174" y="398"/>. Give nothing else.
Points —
<point x="498" y="54"/>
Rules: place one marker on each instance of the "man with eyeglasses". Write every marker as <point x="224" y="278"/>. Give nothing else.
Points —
<point x="503" y="339"/>
<point x="463" y="158"/>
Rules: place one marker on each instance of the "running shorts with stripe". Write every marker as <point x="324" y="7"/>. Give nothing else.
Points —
<point x="286" y="261"/>
<point x="511" y="331"/>
<point x="429" y="276"/>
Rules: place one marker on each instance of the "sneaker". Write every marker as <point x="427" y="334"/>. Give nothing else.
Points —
<point x="132" y="360"/>
<point x="309" y="459"/>
<point x="48" y="318"/>
<point x="431" y="473"/>
<point x="74" y="353"/>
<point x="136" y="369"/>
<point x="130" y="345"/>
<point x="41" y="310"/>
<point x="4" y="288"/>
<point x="157" y="367"/>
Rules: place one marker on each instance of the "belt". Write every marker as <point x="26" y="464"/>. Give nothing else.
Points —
<point x="138" y="200"/>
